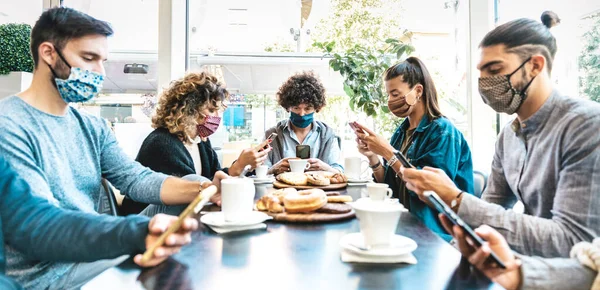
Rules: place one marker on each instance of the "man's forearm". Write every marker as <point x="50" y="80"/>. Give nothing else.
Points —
<point x="526" y="234"/>
<point x="558" y="273"/>
<point x="176" y="191"/>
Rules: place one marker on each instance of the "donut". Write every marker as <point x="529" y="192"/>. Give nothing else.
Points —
<point x="304" y="201"/>
<point x="317" y="179"/>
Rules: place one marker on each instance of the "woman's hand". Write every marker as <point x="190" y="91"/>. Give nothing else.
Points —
<point x="280" y="167"/>
<point x="219" y="175"/>
<point x="430" y="178"/>
<point x="373" y="142"/>
<point x="509" y="278"/>
<point x="158" y="225"/>
<point x="249" y="156"/>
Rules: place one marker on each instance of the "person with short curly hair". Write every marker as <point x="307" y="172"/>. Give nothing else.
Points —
<point x="303" y="95"/>
<point x="188" y="112"/>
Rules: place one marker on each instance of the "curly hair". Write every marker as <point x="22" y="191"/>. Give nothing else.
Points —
<point x="302" y="88"/>
<point x="181" y="104"/>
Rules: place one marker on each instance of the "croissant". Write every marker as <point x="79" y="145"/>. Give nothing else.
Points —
<point x="338" y="178"/>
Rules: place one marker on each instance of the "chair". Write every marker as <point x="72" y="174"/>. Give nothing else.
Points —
<point x="479" y="182"/>
<point x="108" y="200"/>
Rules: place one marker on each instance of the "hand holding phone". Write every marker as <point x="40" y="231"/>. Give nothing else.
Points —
<point x="265" y="144"/>
<point x="443" y="208"/>
<point x="403" y="159"/>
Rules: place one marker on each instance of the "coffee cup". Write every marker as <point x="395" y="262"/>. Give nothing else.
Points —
<point x="298" y="165"/>
<point x="353" y="167"/>
<point x="261" y="171"/>
<point x="377" y="221"/>
<point x="237" y="198"/>
<point x="379" y="191"/>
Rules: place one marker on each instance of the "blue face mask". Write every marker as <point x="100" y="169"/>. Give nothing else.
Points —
<point x="301" y="121"/>
<point x="81" y="86"/>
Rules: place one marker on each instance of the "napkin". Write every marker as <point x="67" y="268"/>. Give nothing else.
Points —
<point x="350" y="257"/>
<point x="220" y="230"/>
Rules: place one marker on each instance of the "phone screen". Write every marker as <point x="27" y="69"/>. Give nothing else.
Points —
<point x="403" y="160"/>
<point x="442" y="207"/>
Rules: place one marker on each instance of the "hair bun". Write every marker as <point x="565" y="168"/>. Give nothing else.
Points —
<point x="550" y="19"/>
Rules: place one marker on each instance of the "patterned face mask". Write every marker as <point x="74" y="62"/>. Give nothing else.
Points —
<point x="210" y="126"/>
<point x="499" y="93"/>
<point x="81" y="86"/>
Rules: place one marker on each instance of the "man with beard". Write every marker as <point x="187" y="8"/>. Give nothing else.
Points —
<point x="548" y="157"/>
<point x="425" y="137"/>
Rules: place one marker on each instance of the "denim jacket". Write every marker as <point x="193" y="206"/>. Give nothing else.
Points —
<point x="436" y="143"/>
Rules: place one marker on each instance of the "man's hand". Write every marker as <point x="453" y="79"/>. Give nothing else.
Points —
<point x="509" y="278"/>
<point x="219" y="175"/>
<point x="280" y="167"/>
<point x="373" y="142"/>
<point x="249" y="156"/>
<point x="318" y="165"/>
<point x="158" y="225"/>
<point x="430" y="178"/>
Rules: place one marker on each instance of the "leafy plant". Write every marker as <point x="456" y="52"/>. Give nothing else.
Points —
<point x="14" y="48"/>
<point x="362" y="69"/>
<point x="589" y="61"/>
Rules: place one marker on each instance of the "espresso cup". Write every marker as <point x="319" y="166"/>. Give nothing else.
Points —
<point x="353" y="167"/>
<point x="261" y="171"/>
<point x="237" y="198"/>
<point x="298" y="165"/>
<point x="379" y="191"/>
<point x="377" y="221"/>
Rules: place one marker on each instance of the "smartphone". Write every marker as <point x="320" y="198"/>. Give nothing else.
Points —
<point x="265" y="144"/>
<point x="403" y="159"/>
<point x="303" y="151"/>
<point x="443" y="208"/>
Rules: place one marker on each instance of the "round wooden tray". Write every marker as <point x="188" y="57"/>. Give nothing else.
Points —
<point x="316" y="217"/>
<point x="279" y="184"/>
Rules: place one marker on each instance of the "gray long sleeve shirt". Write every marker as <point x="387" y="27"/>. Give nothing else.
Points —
<point x="550" y="162"/>
<point x="557" y="273"/>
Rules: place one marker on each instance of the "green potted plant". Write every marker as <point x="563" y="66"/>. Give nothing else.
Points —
<point x="16" y="63"/>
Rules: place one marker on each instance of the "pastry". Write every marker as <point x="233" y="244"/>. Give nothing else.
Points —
<point x="317" y="179"/>
<point x="293" y="178"/>
<point x="338" y="178"/>
<point x="339" y="198"/>
<point x="335" y="208"/>
<point x="304" y="201"/>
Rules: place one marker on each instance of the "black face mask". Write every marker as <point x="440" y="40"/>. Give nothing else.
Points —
<point x="499" y="93"/>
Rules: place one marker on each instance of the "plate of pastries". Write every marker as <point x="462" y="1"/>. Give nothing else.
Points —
<point x="311" y="180"/>
<point x="309" y="205"/>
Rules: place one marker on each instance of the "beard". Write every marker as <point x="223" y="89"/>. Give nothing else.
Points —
<point x="61" y="70"/>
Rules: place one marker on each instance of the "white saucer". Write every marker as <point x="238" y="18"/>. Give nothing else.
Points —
<point x="400" y="245"/>
<point x="267" y="179"/>
<point x="351" y="180"/>
<point x="216" y="219"/>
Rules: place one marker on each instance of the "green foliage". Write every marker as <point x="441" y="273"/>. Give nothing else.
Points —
<point x="14" y="48"/>
<point x="362" y="69"/>
<point x="589" y="61"/>
<point x="365" y="23"/>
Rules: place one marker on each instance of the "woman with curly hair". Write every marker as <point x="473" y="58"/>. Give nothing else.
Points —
<point x="302" y="95"/>
<point x="188" y="112"/>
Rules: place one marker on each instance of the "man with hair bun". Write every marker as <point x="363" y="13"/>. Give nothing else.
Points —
<point x="548" y="157"/>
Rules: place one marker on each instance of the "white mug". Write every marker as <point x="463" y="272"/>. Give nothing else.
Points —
<point x="298" y="165"/>
<point x="379" y="191"/>
<point x="377" y="221"/>
<point x="237" y="198"/>
<point x="261" y="171"/>
<point x="353" y="167"/>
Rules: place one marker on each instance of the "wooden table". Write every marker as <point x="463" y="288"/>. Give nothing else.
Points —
<point x="297" y="256"/>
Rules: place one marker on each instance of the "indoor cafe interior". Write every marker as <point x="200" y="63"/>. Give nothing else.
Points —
<point x="299" y="144"/>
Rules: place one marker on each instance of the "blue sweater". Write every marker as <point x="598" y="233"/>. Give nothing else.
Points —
<point x="42" y="231"/>
<point x="63" y="159"/>
<point x="436" y="143"/>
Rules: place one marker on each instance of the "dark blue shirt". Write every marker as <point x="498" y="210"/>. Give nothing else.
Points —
<point x="436" y="143"/>
<point x="44" y="232"/>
